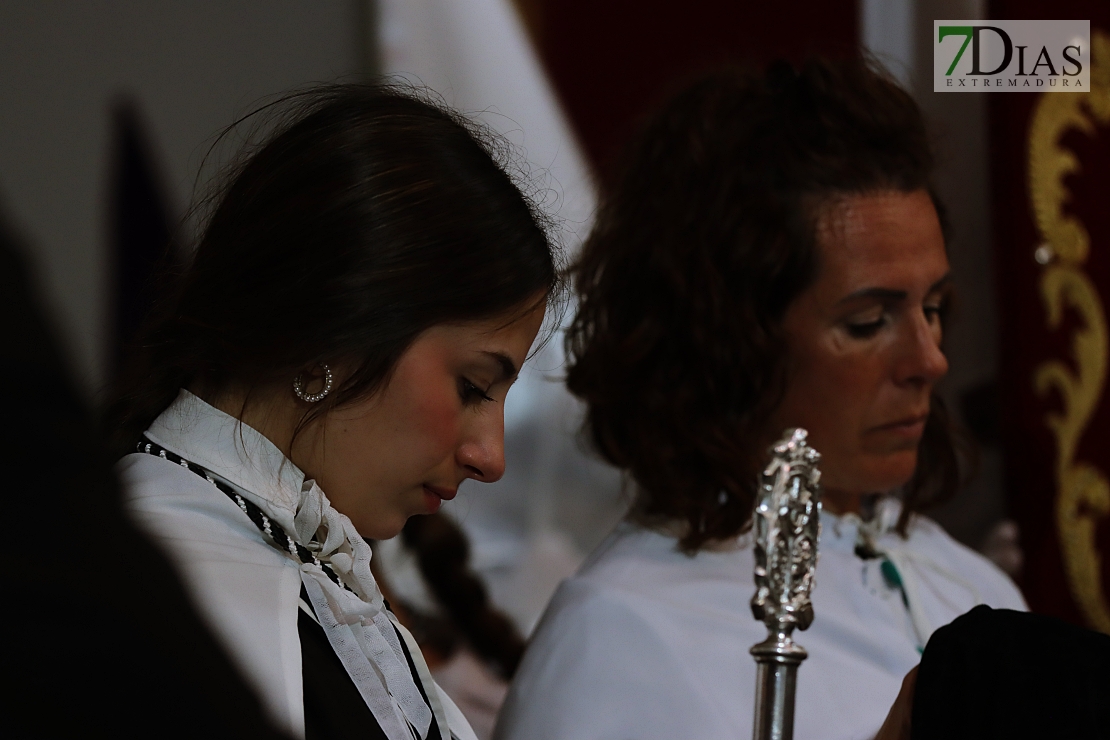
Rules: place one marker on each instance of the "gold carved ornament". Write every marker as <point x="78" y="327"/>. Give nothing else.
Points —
<point x="1083" y="493"/>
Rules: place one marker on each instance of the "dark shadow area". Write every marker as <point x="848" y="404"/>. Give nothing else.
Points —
<point x="100" y="637"/>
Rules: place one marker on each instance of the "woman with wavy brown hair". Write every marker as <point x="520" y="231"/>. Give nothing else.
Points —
<point x="771" y="255"/>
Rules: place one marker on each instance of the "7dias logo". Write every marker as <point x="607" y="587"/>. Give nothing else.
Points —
<point x="1011" y="56"/>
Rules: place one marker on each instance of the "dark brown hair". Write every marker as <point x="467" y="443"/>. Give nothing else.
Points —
<point x="705" y="237"/>
<point x="369" y="215"/>
<point x="443" y="555"/>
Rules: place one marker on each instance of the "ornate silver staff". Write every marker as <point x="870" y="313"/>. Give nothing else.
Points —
<point x="787" y="524"/>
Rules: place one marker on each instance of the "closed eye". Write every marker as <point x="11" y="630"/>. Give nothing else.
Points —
<point x="470" y="394"/>
<point x="865" y="329"/>
<point x="937" y="307"/>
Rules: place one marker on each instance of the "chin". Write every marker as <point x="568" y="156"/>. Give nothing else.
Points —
<point x="875" y="473"/>
<point x="377" y="529"/>
<point x="893" y="472"/>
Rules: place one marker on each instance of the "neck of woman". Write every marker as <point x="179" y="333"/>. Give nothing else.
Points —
<point x="840" y="502"/>
<point x="863" y="505"/>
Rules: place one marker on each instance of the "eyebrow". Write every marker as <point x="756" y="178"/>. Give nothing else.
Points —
<point x="508" y="367"/>
<point x="889" y="294"/>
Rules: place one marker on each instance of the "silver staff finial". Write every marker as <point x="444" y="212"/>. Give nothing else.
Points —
<point x="787" y="524"/>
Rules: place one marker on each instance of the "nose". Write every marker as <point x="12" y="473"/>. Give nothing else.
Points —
<point x="922" y="362"/>
<point x="482" y="451"/>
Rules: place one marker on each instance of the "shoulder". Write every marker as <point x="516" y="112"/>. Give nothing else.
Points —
<point x="244" y="587"/>
<point x="180" y="509"/>
<point x="204" y="532"/>
<point x="146" y="478"/>
<point x="198" y="526"/>
<point x="598" y="665"/>
<point x="624" y="646"/>
<point x="594" y="614"/>
<point x="993" y="586"/>
<point x="638" y="562"/>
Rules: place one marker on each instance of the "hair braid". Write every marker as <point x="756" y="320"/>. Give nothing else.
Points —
<point x="443" y="553"/>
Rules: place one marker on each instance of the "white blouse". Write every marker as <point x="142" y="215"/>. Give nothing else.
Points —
<point x="248" y="590"/>
<point x="646" y="642"/>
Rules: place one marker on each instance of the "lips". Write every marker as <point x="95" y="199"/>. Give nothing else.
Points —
<point x="909" y="424"/>
<point x="444" y="493"/>
<point x="906" y="423"/>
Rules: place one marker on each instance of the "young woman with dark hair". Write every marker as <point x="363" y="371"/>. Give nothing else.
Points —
<point x="771" y="255"/>
<point x="334" y="360"/>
